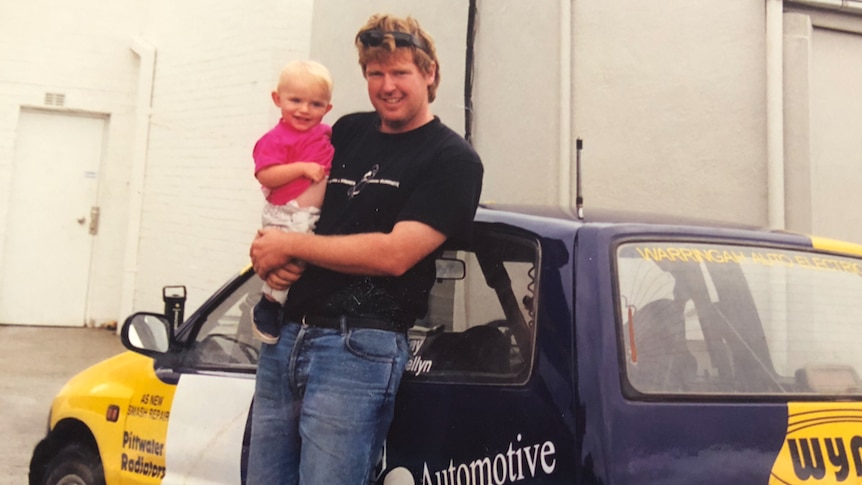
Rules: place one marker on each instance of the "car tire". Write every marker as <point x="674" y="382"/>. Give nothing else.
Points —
<point x="75" y="464"/>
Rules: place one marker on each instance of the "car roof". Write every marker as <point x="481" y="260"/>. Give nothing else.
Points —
<point x="567" y="220"/>
<point x="609" y="216"/>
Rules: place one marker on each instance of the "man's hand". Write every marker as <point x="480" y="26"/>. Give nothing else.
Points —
<point x="272" y="261"/>
<point x="282" y="278"/>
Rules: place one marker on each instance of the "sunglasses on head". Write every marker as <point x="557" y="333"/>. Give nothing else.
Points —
<point x="374" y="37"/>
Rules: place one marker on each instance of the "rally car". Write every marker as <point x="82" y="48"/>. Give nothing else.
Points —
<point x="557" y="350"/>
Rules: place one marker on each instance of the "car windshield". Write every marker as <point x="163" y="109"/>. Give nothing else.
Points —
<point x="698" y="318"/>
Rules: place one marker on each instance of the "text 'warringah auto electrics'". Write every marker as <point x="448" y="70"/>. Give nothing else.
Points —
<point x="723" y="255"/>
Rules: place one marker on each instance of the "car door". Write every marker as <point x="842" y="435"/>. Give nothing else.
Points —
<point x="487" y="395"/>
<point x="207" y="430"/>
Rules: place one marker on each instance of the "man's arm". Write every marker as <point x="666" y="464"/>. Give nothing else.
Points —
<point x="372" y="254"/>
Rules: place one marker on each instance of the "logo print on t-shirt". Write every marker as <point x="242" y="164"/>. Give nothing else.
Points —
<point x="357" y="187"/>
<point x="368" y="178"/>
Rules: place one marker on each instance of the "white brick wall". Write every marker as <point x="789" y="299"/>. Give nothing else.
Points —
<point x="215" y="65"/>
<point x="81" y="52"/>
<point x="211" y="102"/>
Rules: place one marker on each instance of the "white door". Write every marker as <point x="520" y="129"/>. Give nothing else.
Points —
<point x="45" y="265"/>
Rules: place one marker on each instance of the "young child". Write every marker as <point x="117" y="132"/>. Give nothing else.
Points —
<point x="291" y="162"/>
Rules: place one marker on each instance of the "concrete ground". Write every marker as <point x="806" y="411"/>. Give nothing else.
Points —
<point x="35" y="363"/>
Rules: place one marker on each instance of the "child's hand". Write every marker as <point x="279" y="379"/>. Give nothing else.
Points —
<point x="314" y="171"/>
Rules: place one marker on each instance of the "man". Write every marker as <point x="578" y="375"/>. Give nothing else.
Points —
<point x="401" y="184"/>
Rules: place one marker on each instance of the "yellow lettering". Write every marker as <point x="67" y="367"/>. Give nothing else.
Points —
<point x="758" y="258"/>
<point x="688" y="255"/>
<point x="646" y="253"/>
<point x="694" y="255"/>
<point x="778" y="258"/>
<point x="674" y="255"/>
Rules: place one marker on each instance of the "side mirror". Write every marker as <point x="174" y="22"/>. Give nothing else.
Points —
<point x="147" y="333"/>
<point x="451" y="269"/>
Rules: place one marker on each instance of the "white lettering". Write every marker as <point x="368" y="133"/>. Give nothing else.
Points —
<point x="548" y="450"/>
<point x="466" y="472"/>
<point x="483" y="472"/>
<point x="418" y="366"/>
<point x="532" y="458"/>
<point x="501" y="478"/>
<point x="505" y="467"/>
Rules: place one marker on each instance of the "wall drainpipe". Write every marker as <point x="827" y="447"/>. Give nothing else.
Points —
<point x="565" y="149"/>
<point x="146" y="52"/>
<point x="775" y="113"/>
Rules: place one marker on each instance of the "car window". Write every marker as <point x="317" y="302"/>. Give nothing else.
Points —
<point x="698" y="318"/>
<point x="480" y="328"/>
<point x="225" y="340"/>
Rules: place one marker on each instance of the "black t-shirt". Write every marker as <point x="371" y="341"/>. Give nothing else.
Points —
<point x="430" y="175"/>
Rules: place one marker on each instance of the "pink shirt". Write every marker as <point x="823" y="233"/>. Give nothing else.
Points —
<point x="283" y="144"/>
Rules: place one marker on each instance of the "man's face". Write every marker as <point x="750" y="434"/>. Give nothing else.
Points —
<point x="399" y="92"/>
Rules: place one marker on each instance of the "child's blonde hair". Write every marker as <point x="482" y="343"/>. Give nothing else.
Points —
<point x="305" y="70"/>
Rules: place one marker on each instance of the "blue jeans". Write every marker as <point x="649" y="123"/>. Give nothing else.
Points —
<point x="323" y="403"/>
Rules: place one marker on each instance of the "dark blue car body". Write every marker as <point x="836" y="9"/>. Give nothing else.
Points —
<point x="623" y="350"/>
<point x="572" y="421"/>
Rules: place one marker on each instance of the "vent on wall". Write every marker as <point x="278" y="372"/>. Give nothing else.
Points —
<point x="55" y="99"/>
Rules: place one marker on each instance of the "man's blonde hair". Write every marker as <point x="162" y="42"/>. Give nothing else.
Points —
<point x="425" y="58"/>
<point x="308" y="71"/>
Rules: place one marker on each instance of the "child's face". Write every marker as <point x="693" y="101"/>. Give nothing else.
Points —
<point x="302" y="104"/>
